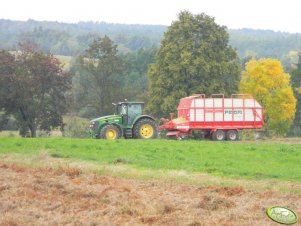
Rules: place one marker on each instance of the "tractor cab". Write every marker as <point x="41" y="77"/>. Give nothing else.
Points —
<point x="129" y="111"/>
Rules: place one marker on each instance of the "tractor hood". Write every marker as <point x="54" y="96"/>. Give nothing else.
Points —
<point x="98" y="123"/>
<point x="108" y="118"/>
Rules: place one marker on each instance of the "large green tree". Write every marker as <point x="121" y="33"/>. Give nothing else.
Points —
<point x="194" y="57"/>
<point x="33" y="88"/>
<point x="96" y="83"/>
<point x="296" y="85"/>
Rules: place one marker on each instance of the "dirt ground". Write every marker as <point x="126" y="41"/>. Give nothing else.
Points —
<point x="36" y="196"/>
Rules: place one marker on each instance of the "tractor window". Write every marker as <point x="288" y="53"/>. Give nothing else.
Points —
<point x="121" y="109"/>
<point x="135" y="109"/>
<point x="118" y="110"/>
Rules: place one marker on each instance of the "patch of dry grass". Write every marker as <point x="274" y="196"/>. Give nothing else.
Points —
<point x="62" y="196"/>
<point x="44" y="160"/>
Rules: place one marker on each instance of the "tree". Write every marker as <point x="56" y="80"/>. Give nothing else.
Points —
<point x="3" y="121"/>
<point x="135" y="83"/>
<point x="97" y="79"/>
<point x="270" y="85"/>
<point x="296" y="85"/>
<point x="289" y="61"/>
<point x="194" y="57"/>
<point x="33" y="89"/>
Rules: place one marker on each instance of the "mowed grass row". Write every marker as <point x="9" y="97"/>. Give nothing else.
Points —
<point x="237" y="159"/>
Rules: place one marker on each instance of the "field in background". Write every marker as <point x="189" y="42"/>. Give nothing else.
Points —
<point x="74" y="126"/>
<point x="234" y="160"/>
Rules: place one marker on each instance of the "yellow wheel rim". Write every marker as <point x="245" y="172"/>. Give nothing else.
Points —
<point x="146" y="131"/>
<point x="111" y="134"/>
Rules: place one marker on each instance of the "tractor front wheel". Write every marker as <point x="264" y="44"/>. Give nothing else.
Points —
<point x="110" y="132"/>
<point x="145" y="129"/>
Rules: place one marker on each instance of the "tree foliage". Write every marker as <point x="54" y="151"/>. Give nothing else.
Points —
<point x="96" y="82"/>
<point x="296" y="85"/>
<point x="270" y="85"/>
<point x="134" y="78"/>
<point x="194" y="57"/>
<point x="33" y="88"/>
<point x="264" y="43"/>
<point x="71" y="39"/>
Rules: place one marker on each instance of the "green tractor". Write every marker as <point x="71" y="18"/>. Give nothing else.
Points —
<point x="128" y="122"/>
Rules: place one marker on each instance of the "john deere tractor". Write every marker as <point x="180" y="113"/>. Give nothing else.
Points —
<point x="128" y="122"/>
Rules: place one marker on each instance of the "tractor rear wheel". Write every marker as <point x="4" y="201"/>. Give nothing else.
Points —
<point x="218" y="135"/>
<point x="110" y="132"/>
<point x="145" y="128"/>
<point x="232" y="135"/>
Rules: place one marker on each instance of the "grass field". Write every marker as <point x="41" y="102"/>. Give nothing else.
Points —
<point x="226" y="159"/>
<point x="60" y="181"/>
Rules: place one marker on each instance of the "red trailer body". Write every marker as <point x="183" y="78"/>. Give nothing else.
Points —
<point x="220" y="117"/>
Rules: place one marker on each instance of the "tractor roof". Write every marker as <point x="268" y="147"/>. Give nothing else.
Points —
<point x="131" y="102"/>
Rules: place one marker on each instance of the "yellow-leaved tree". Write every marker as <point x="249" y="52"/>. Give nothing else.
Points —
<point x="270" y="85"/>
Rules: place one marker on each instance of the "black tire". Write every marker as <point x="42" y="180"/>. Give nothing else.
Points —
<point x="232" y="135"/>
<point x="110" y="129"/>
<point x="145" y="128"/>
<point x="171" y="137"/>
<point x="218" y="135"/>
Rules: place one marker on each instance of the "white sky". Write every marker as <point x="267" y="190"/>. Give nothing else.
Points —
<point x="277" y="15"/>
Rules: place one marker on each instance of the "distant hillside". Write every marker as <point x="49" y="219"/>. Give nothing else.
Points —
<point x="264" y="43"/>
<point x="69" y="39"/>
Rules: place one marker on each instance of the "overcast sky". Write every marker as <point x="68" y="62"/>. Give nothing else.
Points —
<point x="277" y="15"/>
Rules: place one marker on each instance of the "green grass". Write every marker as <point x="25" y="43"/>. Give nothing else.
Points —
<point x="235" y="160"/>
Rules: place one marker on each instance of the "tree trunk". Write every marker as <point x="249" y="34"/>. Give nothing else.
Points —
<point x="33" y="131"/>
<point x="32" y="127"/>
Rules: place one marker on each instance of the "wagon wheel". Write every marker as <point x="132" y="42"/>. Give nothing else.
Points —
<point x="218" y="135"/>
<point x="232" y="135"/>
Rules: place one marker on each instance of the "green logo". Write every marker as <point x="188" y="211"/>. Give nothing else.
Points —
<point x="282" y="215"/>
<point x="235" y="112"/>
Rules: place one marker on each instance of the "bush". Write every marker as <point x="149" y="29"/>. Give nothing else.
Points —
<point x="7" y="123"/>
<point x="75" y="127"/>
<point x="295" y="131"/>
<point x="256" y="134"/>
<point x="11" y="124"/>
<point x="3" y="121"/>
<point x="43" y="133"/>
<point x="87" y="112"/>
